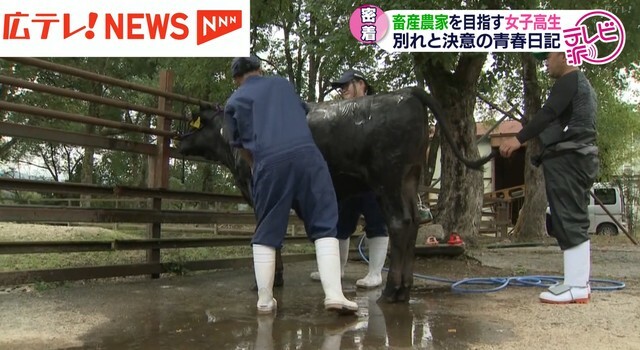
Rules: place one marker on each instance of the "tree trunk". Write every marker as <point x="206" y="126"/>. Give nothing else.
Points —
<point x="535" y="198"/>
<point x="87" y="161"/>
<point x="428" y="166"/>
<point x="324" y="83"/>
<point x="6" y="147"/>
<point x="89" y="152"/>
<point x="286" y="29"/>
<point x="146" y="164"/>
<point x="144" y="169"/>
<point x="4" y="93"/>
<point x="420" y="80"/>
<point x="461" y="189"/>
<point x="49" y="157"/>
<point x="432" y="157"/>
<point x="313" y="62"/>
<point x="313" y="78"/>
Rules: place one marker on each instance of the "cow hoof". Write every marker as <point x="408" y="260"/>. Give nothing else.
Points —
<point x="388" y="296"/>
<point x="395" y="295"/>
<point x="387" y="299"/>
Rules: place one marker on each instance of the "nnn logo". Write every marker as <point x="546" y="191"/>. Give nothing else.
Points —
<point x="216" y="23"/>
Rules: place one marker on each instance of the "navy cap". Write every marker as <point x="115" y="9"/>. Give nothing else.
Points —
<point x="243" y="65"/>
<point x="541" y="55"/>
<point x="347" y="77"/>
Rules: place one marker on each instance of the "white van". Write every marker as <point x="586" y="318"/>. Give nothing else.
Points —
<point x="600" y="222"/>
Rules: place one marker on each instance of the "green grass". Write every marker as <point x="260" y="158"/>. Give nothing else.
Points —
<point x="18" y="262"/>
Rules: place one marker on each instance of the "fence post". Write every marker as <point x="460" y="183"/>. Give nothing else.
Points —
<point x="115" y="224"/>
<point x="502" y="218"/>
<point x="159" y="165"/>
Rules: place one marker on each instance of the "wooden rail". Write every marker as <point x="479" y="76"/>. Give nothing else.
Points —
<point x="78" y="118"/>
<point x="127" y="244"/>
<point x="39" y="63"/>
<point x="91" y="272"/>
<point x="52" y="214"/>
<point x="120" y="191"/>
<point x="158" y="190"/>
<point x="87" y="97"/>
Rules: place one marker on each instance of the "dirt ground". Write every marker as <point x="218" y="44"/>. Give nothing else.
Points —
<point x="170" y="312"/>
<point x="610" y="321"/>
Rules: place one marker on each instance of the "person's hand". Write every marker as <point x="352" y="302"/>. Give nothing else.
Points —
<point x="508" y="146"/>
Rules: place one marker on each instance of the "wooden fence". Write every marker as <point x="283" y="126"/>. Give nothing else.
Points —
<point x="158" y="153"/>
<point x="500" y="208"/>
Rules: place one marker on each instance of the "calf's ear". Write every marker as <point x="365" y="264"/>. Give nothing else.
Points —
<point x="194" y="120"/>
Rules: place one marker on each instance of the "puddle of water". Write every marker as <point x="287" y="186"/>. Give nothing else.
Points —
<point x="428" y="321"/>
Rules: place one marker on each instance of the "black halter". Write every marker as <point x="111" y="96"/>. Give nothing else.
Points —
<point x="186" y="126"/>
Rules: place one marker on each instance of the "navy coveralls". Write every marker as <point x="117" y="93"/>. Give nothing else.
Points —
<point x="267" y="117"/>
<point x="349" y="213"/>
<point x="566" y="126"/>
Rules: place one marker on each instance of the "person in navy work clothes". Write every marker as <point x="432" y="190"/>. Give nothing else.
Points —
<point x="352" y="84"/>
<point x="266" y="120"/>
<point x="566" y="128"/>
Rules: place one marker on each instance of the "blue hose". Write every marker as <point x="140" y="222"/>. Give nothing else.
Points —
<point x="503" y="282"/>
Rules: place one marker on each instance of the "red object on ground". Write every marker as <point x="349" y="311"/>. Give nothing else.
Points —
<point x="454" y="239"/>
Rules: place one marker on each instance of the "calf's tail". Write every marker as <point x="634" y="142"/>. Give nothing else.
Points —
<point x="428" y="101"/>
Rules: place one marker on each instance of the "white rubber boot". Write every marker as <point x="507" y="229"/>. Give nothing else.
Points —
<point x="331" y="342"/>
<point x="376" y="325"/>
<point x="328" y="259"/>
<point x="335" y="330"/>
<point x="264" y="334"/>
<point x="575" y="289"/>
<point x="344" y="257"/>
<point x="377" y="255"/>
<point x="264" y="265"/>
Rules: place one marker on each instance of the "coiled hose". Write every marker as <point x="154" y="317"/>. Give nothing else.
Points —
<point x="494" y="284"/>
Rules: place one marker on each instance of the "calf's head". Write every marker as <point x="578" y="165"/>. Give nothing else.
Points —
<point x="206" y="138"/>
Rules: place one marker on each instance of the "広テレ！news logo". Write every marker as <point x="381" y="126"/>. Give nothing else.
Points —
<point x="118" y="28"/>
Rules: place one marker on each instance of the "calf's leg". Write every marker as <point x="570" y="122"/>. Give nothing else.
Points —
<point x="401" y="213"/>
<point x="279" y="277"/>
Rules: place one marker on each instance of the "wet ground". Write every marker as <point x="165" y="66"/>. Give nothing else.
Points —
<point x="216" y="310"/>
